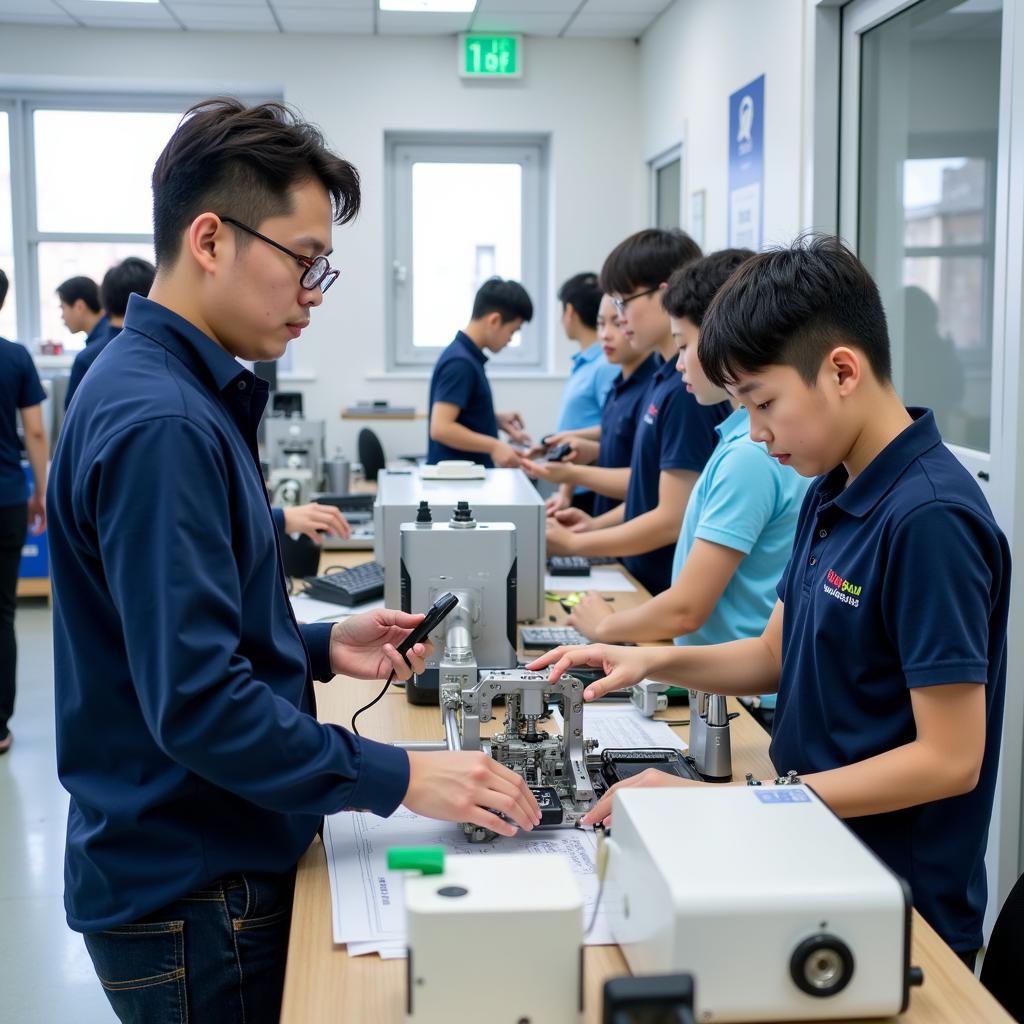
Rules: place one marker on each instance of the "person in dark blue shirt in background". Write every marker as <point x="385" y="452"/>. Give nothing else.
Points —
<point x="462" y="420"/>
<point x="82" y="310"/>
<point x="20" y="393"/>
<point x="132" y="276"/>
<point x="186" y="728"/>
<point x="675" y="436"/>
<point x="887" y="645"/>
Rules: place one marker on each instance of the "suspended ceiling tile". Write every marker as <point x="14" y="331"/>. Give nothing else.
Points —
<point x="525" y="24"/>
<point x="608" y="26"/>
<point x="227" y="17"/>
<point x="418" y="24"/>
<point x="319" y="19"/>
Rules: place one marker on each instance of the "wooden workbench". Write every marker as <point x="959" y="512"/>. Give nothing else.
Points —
<point x="324" y="985"/>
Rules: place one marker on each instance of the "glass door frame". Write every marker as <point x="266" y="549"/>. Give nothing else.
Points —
<point x="833" y="30"/>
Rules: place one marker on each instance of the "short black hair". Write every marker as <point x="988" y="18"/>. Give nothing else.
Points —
<point x="4" y="285"/>
<point x="583" y="291"/>
<point x="646" y="259"/>
<point x="84" y="288"/>
<point x="238" y="161"/>
<point x="691" y="288"/>
<point x="790" y="306"/>
<point x="131" y="275"/>
<point x="509" y="298"/>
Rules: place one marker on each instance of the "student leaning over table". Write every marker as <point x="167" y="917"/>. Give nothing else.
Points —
<point x="887" y="645"/>
<point x="186" y="728"/>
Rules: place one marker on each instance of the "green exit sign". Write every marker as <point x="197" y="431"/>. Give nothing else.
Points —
<point x="482" y="56"/>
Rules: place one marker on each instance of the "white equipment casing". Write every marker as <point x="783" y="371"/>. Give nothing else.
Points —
<point x="503" y="496"/>
<point x="515" y="935"/>
<point x="728" y="883"/>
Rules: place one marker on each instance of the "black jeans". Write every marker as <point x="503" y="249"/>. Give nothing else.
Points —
<point x="217" y="955"/>
<point x="13" y="525"/>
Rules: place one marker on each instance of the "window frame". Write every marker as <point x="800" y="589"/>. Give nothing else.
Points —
<point x="674" y="154"/>
<point x="21" y="106"/>
<point x="531" y="152"/>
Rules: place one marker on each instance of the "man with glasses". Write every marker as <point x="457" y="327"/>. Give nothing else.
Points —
<point x="186" y="733"/>
<point x="675" y="436"/>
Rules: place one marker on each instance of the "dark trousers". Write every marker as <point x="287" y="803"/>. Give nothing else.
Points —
<point x="13" y="524"/>
<point x="215" y="955"/>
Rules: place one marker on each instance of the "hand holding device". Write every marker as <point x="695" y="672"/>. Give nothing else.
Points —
<point x="439" y="611"/>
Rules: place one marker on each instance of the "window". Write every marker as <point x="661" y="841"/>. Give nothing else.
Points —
<point x="464" y="209"/>
<point x="927" y="199"/>
<point x="75" y="195"/>
<point x="667" y="189"/>
<point x="8" y="317"/>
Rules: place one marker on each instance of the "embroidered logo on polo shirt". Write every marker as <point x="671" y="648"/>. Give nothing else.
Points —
<point x="842" y="590"/>
<point x="651" y="414"/>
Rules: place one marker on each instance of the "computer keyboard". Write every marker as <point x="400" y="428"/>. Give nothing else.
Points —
<point x="349" y="587"/>
<point x="543" y="638"/>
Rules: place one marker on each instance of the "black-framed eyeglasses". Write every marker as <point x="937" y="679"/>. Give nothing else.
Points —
<point x="621" y="304"/>
<point x="318" y="271"/>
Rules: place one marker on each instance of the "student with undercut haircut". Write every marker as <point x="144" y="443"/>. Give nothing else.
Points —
<point x="186" y="727"/>
<point x="81" y="310"/>
<point x="462" y="420"/>
<point x="887" y="645"/>
<point x="675" y="435"/>
<point x="132" y="276"/>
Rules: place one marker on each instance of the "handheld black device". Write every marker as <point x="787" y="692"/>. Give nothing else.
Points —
<point x="559" y="452"/>
<point x="439" y="610"/>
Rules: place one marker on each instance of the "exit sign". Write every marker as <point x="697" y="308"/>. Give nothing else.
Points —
<point x="482" y="56"/>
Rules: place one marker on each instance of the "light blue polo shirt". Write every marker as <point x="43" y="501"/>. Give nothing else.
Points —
<point x="584" y="394"/>
<point x="744" y="500"/>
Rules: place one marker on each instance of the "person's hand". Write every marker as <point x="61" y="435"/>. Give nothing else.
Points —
<point x="467" y="785"/>
<point x="555" y="503"/>
<point x="585" y="452"/>
<point x="364" y="646"/>
<point x="512" y="424"/>
<point x="37" y="513"/>
<point x="588" y="615"/>
<point x="553" y="472"/>
<point x="315" y="520"/>
<point x="505" y="456"/>
<point x="561" y="539"/>
<point x="601" y="812"/>
<point x="575" y="519"/>
<point x="622" y="666"/>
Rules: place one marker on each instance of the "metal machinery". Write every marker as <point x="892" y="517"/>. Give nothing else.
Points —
<point x="294" y="450"/>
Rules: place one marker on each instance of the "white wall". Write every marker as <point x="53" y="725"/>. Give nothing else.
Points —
<point x="691" y="59"/>
<point x="585" y="93"/>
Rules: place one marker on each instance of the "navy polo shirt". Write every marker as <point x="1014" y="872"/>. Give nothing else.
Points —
<point x="673" y="431"/>
<point x="618" y="423"/>
<point x="97" y="340"/>
<point x="459" y="378"/>
<point x="186" y="728"/>
<point x="900" y="580"/>
<point x="20" y="388"/>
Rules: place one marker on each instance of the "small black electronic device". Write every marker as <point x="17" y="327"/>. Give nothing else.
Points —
<point x="439" y="610"/>
<point x="349" y="587"/>
<point x="649" y="999"/>
<point x="559" y="452"/>
<point x="617" y="765"/>
<point x="550" y="804"/>
<point x="356" y="508"/>
<point x="569" y="565"/>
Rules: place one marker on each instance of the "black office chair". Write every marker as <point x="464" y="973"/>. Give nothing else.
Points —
<point x="1001" y="971"/>
<point x="371" y="454"/>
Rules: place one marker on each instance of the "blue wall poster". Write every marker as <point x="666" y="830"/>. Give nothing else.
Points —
<point x="746" y="166"/>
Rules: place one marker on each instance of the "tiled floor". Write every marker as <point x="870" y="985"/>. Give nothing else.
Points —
<point x="46" y="976"/>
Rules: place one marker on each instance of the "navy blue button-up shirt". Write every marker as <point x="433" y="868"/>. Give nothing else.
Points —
<point x="20" y="388"/>
<point x="97" y="340"/>
<point x="900" y="580"/>
<point x="186" y="733"/>
<point x="459" y="378"/>
<point x="618" y="423"/>
<point x="674" y="431"/>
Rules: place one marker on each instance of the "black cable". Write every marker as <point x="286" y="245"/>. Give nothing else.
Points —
<point x="366" y="707"/>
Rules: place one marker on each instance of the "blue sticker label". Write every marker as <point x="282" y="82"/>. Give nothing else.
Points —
<point x="782" y="795"/>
